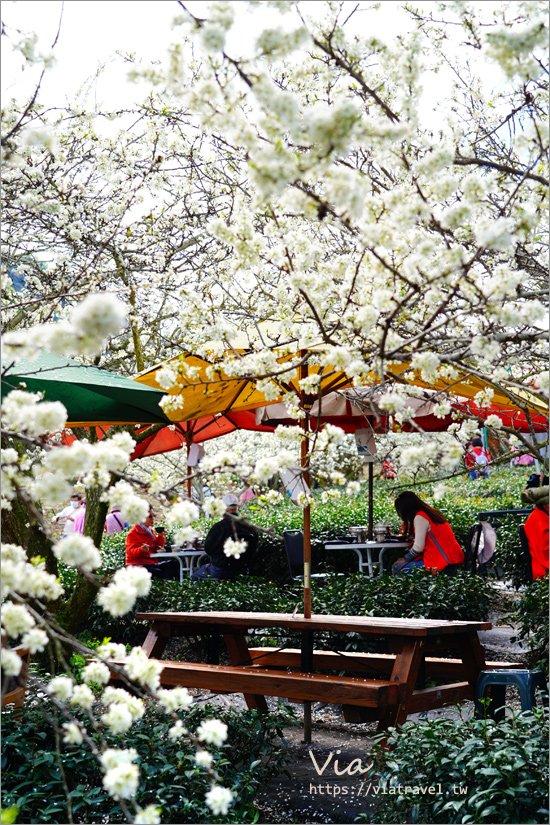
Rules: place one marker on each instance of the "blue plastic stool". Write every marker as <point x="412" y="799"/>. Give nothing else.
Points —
<point x="525" y="680"/>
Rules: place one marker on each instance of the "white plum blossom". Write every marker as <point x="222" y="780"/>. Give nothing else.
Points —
<point x="175" y="699"/>
<point x="76" y="550"/>
<point x="99" y="316"/>
<point x="133" y="509"/>
<point x="427" y="363"/>
<point x="214" y="507"/>
<point x="494" y="421"/>
<point x="177" y="731"/>
<point x="83" y="697"/>
<point x="122" y="781"/>
<point x="235" y="549"/>
<point x="212" y="731"/>
<point x="182" y="513"/>
<point x="442" y="409"/>
<point x="495" y="234"/>
<point x="148" y="816"/>
<point x="265" y="469"/>
<point x="61" y="687"/>
<point x="26" y="412"/>
<point x="484" y="398"/>
<point x="118" y="718"/>
<point x="96" y="672"/>
<point x="542" y="382"/>
<point x="135" y="577"/>
<point x="117" y="599"/>
<point x="73" y="734"/>
<point x="16" y="619"/>
<point x="35" y="640"/>
<point x="143" y="670"/>
<point x="166" y="377"/>
<point x="203" y="759"/>
<point x="11" y="662"/>
<point x="112" y="650"/>
<point x="219" y="800"/>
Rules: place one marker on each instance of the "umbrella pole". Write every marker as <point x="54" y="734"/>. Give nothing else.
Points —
<point x="189" y="485"/>
<point x="307" y="638"/>
<point x="371" y="496"/>
<point x="307" y="528"/>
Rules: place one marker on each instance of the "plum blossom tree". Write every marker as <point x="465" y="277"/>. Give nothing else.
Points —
<point x="380" y="228"/>
<point x="311" y="190"/>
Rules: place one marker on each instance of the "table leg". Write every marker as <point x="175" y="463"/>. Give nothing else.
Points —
<point x="181" y="568"/>
<point x="238" y="652"/>
<point x="155" y="642"/>
<point x="360" y="557"/>
<point x="405" y="669"/>
<point x="473" y="658"/>
<point x="369" y="562"/>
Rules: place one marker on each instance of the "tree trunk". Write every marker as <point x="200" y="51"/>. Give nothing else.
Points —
<point x="73" y="612"/>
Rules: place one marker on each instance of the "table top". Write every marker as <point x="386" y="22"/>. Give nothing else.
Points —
<point x="367" y="625"/>
<point x="176" y="553"/>
<point x="363" y="545"/>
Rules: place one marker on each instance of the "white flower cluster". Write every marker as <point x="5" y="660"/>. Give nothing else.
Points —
<point x="233" y="548"/>
<point x="76" y="550"/>
<point x="143" y="670"/>
<point x="182" y="513"/>
<point x="166" y="377"/>
<point x="27" y="578"/>
<point x="91" y="323"/>
<point x="214" y="507"/>
<point x="128" y="584"/>
<point x="124" y="709"/>
<point x="133" y="509"/>
<point x="219" y="799"/>
<point x="25" y="412"/>
<point x="121" y="775"/>
<point x="212" y="731"/>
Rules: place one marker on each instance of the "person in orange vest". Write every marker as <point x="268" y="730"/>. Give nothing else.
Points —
<point x="536" y="530"/>
<point x="435" y="545"/>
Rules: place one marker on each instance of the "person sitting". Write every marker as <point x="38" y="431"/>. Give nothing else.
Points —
<point x="536" y="532"/>
<point x="435" y="545"/>
<point x="222" y="566"/>
<point x="477" y="459"/>
<point x="142" y="541"/>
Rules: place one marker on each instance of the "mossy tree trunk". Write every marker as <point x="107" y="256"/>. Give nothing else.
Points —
<point x="72" y="612"/>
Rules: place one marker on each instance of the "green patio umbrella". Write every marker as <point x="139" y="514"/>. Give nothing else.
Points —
<point x="92" y="396"/>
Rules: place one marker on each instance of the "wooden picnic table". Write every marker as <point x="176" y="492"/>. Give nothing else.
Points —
<point x="386" y="690"/>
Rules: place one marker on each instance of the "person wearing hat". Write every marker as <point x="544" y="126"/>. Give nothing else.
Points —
<point x="222" y="566"/>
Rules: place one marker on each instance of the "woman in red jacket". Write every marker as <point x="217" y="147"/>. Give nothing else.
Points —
<point x="435" y="545"/>
<point x="141" y="542"/>
<point x="536" y="530"/>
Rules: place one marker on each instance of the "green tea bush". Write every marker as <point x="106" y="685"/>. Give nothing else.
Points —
<point x="254" y="752"/>
<point x="483" y="772"/>
<point x="531" y="615"/>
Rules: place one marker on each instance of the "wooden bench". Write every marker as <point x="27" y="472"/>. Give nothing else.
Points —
<point x="353" y="662"/>
<point x="301" y="687"/>
<point x="14" y="687"/>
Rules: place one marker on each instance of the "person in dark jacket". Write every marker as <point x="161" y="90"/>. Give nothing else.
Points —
<point x="222" y="564"/>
